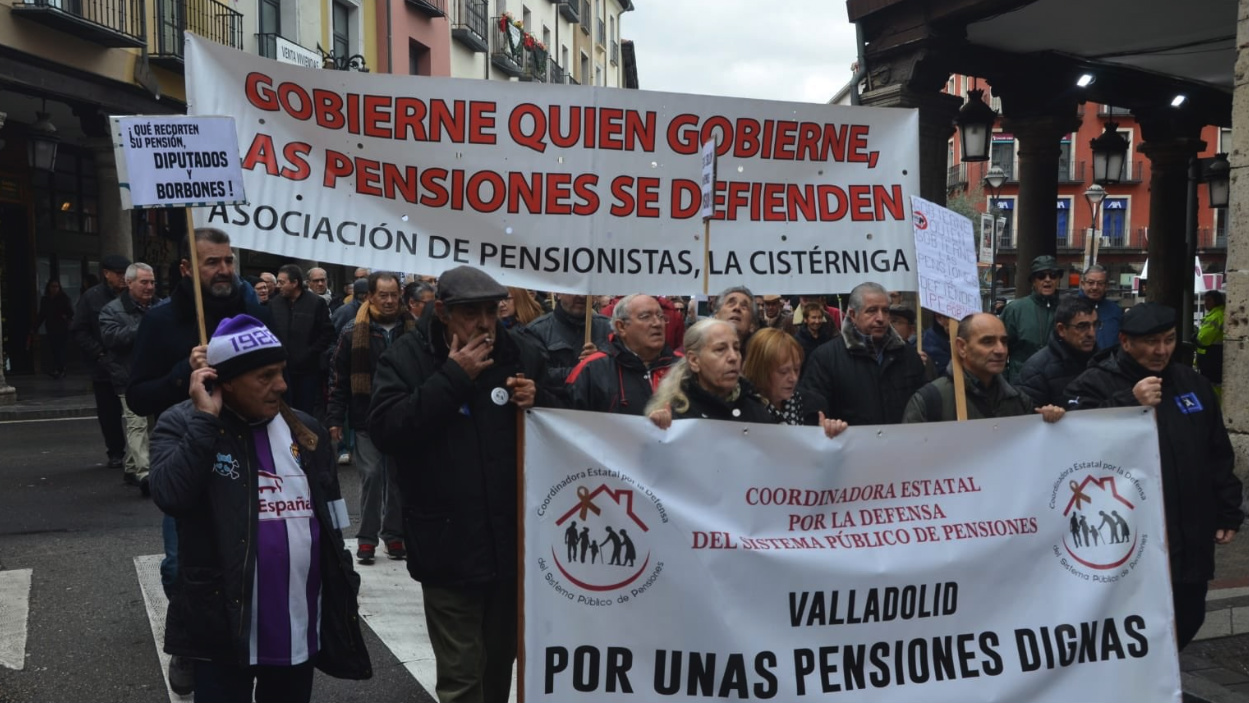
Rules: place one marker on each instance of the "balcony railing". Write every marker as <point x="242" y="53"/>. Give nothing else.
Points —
<point x="615" y="52"/>
<point x="469" y="24"/>
<point x="570" y="10"/>
<point x="585" y="16"/>
<point x="433" y="8"/>
<point x="207" y="18"/>
<point x="1070" y="171"/>
<point x="536" y="65"/>
<point x="573" y="81"/>
<point x="507" y="47"/>
<point x="956" y="176"/>
<point x="1133" y="172"/>
<point x="600" y="37"/>
<point x="558" y="75"/>
<point x="1112" y="111"/>
<point x="1008" y="168"/>
<point x="114" y="23"/>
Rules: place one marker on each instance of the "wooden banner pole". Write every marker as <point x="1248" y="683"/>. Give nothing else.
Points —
<point x="197" y="284"/>
<point x="589" y="319"/>
<point x="960" y="390"/>
<point x="706" y="254"/>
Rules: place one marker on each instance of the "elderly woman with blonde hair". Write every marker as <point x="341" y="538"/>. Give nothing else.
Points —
<point x="708" y="383"/>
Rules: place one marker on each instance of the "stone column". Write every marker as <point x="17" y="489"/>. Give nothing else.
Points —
<point x="1036" y="211"/>
<point x="1170" y="267"/>
<point x="116" y="229"/>
<point x="1236" y="320"/>
<point x="936" y="125"/>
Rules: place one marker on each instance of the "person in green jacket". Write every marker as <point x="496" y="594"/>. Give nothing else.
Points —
<point x="1210" y="341"/>
<point x="1030" y="320"/>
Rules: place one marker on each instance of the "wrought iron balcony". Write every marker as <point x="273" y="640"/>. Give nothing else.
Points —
<point x="469" y="25"/>
<point x="615" y="52"/>
<point x="1070" y="171"/>
<point x="537" y="63"/>
<point x="585" y="16"/>
<point x="1133" y="172"/>
<point x="558" y="75"/>
<point x="956" y="176"/>
<point x="507" y="47"/>
<point x="207" y="18"/>
<point x="433" y="8"/>
<point x="571" y="10"/>
<point x="114" y="23"/>
<point x="573" y="81"/>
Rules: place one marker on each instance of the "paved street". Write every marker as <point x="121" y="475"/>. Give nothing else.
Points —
<point x="69" y="521"/>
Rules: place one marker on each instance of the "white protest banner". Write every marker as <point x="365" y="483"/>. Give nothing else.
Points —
<point x="708" y="180"/>
<point x="1019" y="561"/>
<point x="572" y="188"/>
<point x="177" y="161"/>
<point x="945" y="258"/>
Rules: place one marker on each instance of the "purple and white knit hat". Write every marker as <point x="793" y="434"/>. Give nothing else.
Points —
<point x="240" y="344"/>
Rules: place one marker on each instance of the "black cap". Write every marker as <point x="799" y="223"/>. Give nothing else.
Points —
<point x="115" y="262"/>
<point x="465" y="284"/>
<point x="1147" y="318"/>
<point x="360" y="288"/>
<point x="903" y="312"/>
<point x="1044" y="262"/>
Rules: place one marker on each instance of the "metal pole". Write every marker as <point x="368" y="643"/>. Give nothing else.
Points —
<point x="8" y="394"/>
<point x="1097" y="240"/>
<point x="993" y="214"/>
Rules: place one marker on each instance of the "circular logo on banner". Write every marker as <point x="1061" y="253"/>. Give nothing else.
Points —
<point x="921" y="222"/>
<point x="1096" y="503"/>
<point x="598" y="538"/>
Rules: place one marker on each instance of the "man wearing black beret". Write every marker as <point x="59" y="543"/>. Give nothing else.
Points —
<point x="85" y="331"/>
<point x="1201" y="493"/>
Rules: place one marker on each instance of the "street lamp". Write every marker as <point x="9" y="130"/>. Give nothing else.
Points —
<point x="975" y="123"/>
<point x="1218" y="173"/>
<point x="330" y="60"/>
<point x="1110" y="150"/>
<point x="993" y="180"/>
<point x="1095" y="195"/>
<point x="41" y="147"/>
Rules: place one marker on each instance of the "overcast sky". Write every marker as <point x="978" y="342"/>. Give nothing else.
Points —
<point x="769" y="49"/>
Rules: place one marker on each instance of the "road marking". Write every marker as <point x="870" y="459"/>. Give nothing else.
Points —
<point x="14" y="612"/>
<point x="154" y="599"/>
<point x="48" y="419"/>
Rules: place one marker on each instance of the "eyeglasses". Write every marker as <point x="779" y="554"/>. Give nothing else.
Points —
<point x="1047" y="275"/>
<point x="316" y="280"/>
<point x="646" y="317"/>
<point x="1086" y="326"/>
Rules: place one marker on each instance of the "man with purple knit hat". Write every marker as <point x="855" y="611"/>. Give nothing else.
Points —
<point x="265" y="590"/>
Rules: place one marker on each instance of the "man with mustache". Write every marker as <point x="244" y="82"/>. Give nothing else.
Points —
<point x="167" y="350"/>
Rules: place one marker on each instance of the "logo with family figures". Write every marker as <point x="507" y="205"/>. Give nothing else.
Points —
<point x="601" y="539"/>
<point x="1099" y="533"/>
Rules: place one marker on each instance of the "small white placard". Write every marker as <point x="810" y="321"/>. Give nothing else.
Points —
<point x="709" y="178"/>
<point x="986" y="239"/>
<point x="177" y="161"/>
<point x="945" y="260"/>
<point x="289" y="52"/>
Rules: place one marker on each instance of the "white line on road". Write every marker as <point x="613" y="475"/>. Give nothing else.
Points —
<point x="154" y="598"/>
<point x="48" y="419"/>
<point x="14" y="610"/>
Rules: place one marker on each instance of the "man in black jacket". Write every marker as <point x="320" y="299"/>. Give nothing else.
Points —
<point x="561" y="333"/>
<point x="266" y="589"/>
<point x="85" y="330"/>
<point x="1072" y="344"/>
<point x="1201" y="494"/>
<point x="445" y="404"/>
<point x="301" y="319"/>
<point x="360" y="345"/>
<point x="622" y="379"/>
<point x="867" y="376"/>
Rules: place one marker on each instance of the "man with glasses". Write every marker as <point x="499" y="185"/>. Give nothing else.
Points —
<point x="622" y="379"/>
<point x="1072" y="344"/>
<point x="319" y="284"/>
<point x="1030" y="320"/>
<point x="1093" y="285"/>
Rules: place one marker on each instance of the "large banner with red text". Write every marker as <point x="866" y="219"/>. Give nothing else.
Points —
<point x="1004" y="560"/>
<point x="560" y="187"/>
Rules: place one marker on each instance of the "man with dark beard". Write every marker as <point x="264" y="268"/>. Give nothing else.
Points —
<point x="167" y="349"/>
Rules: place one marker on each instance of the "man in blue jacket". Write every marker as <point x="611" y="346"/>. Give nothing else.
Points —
<point x="1093" y="285"/>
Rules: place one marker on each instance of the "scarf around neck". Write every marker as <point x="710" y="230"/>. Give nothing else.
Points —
<point x="362" y="349"/>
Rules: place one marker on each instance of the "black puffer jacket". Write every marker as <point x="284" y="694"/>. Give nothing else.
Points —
<point x="843" y="379"/>
<point x="85" y="329"/>
<point x="1046" y="375"/>
<point x="210" y="611"/>
<point x="561" y="336"/>
<point x="746" y="407"/>
<point x="1200" y="490"/>
<point x="617" y="381"/>
<point x="454" y="449"/>
<point x="305" y="330"/>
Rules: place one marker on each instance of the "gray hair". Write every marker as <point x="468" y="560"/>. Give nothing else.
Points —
<point x="620" y="313"/>
<point x="1095" y="268"/>
<point x="857" y="293"/>
<point x="316" y="268"/>
<point x="724" y="294"/>
<point x="670" y="392"/>
<point x="132" y="271"/>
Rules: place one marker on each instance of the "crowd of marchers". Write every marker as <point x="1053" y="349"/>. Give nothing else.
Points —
<point x="417" y="382"/>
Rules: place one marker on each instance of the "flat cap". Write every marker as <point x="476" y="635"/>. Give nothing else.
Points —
<point x="360" y="288"/>
<point x="1044" y="262"/>
<point x="465" y="284"/>
<point x="115" y="262"/>
<point x="1147" y="318"/>
<point x="903" y="312"/>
